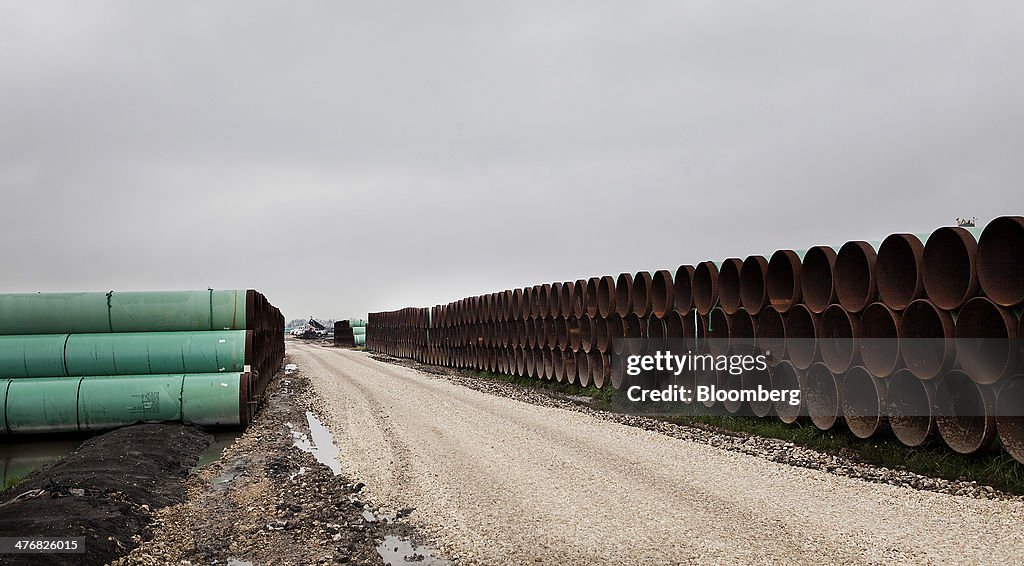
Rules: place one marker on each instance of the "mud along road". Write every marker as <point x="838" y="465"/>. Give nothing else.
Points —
<point x="494" y="480"/>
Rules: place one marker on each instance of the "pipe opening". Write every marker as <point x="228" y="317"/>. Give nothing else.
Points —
<point x="950" y="277"/>
<point x="606" y="296"/>
<point x="785" y="377"/>
<point x="863" y="398"/>
<point x="926" y="339"/>
<point x="705" y="287"/>
<point x="1010" y="417"/>
<point x="855" y="276"/>
<point x="753" y="286"/>
<point x="623" y="295"/>
<point x="964" y="413"/>
<point x="662" y="293"/>
<point x="782" y="281"/>
<point x="985" y="341"/>
<point x="641" y="294"/>
<point x="817" y="281"/>
<point x="801" y="336"/>
<point x="821" y="396"/>
<point x="837" y="337"/>
<point x="771" y="335"/>
<point x="1000" y="257"/>
<point x="729" y="285"/>
<point x="879" y="342"/>
<point x="909" y="406"/>
<point x="898" y="270"/>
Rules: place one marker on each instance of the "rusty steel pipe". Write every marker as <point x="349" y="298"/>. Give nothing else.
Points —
<point x="753" y="283"/>
<point x="719" y="327"/>
<point x="554" y="299"/>
<point x="964" y="413"/>
<point x="575" y="336"/>
<point x="838" y="331"/>
<point x="531" y="362"/>
<point x="614" y="331"/>
<point x="705" y="287"/>
<point x="782" y="281"/>
<point x="606" y="296"/>
<point x="549" y="364"/>
<point x="517" y="304"/>
<point x="527" y="303"/>
<point x="898" y="270"/>
<point x="753" y="379"/>
<point x="655" y="332"/>
<point x="820" y="394"/>
<point x="632" y="328"/>
<point x="586" y="333"/>
<point x="729" y="285"/>
<point x="561" y="332"/>
<point x="855" y="276"/>
<point x="950" y="272"/>
<point x="579" y="292"/>
<point x="1000" y="257"/>
<point x="569" y="363"/>
<point x="541" y="300"/>
<point x="682" y="288"/>
<point x="926" y="339"/>
<point x="674" y="324"/>
<point x="590" y="296"/>
<point x="909" y="407"/>
<point x="986" y="341"/>
<point x="742" y="333"/>
<point x="771" y="335"/>
<point x="600" y="338"/>
<point x="641" y="302"/>
<point x="863" y="400"/>
<point x="662" y="293"/>
<point x="1010" y="417"/>
<point x="565" y="299"/>
<point x="729" y="381"/>
<point x="558" y="365"/>
<point x="623" y="295"/>
<point x="879" y="342"/>
<point x="785" y="377"/>
<point x="817" y="278"/>
<point x="583" y="368"/>
<point x="600" y="368"/>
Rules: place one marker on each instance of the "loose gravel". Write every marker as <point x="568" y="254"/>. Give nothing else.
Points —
<point x="496" y="480"/>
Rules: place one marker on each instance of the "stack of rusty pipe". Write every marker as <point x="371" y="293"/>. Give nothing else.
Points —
<point x="917" y="335"/>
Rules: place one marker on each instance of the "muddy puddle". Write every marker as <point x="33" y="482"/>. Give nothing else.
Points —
<point x="318" y="442"/>
<point x="19" y="459"/>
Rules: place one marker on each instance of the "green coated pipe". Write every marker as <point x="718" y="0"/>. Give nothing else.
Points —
<point x="159" y="311"/>
<point x="74" y="404"/>
<point x="359" y="340"/>
<point x="62" y="355"/>
<point x="357" y="322"/>
<point x="359" y="330"/>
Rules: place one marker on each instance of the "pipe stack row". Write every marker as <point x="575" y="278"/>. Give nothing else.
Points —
<point x="350" y="333"/>
<point x="917" y="334"/>
<point x="75" y="362"/>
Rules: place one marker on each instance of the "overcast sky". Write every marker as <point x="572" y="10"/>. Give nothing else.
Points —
<point x="354" y="157"/>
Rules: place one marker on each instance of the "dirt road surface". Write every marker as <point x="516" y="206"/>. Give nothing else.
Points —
<point x="498" y="481"/>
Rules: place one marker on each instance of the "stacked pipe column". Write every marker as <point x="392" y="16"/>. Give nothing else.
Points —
<point x="73" y="362"/>
<point x="917" y="334"/>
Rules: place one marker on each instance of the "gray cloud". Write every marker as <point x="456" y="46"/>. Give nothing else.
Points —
<point x="350" y="157"/>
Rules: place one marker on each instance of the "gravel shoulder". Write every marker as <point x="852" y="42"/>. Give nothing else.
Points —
<point x="495" y="480"/>
<point x="265" y="501"/>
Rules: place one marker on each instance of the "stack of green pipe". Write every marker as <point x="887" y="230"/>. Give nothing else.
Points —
<point x="91" y="361"/>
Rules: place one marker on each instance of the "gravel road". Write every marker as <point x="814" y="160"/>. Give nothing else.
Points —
<point x="498" y="481"/>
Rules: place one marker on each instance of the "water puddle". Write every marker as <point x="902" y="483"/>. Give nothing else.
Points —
<point x="395" y="551"/>
<point x="371" y="517"/>
<point x="19" y="459"/>
<point x="237" y="562"/>
<point x="290" y="369"/>
<point x="319" y="443"/>
<point x="221" y="440"/>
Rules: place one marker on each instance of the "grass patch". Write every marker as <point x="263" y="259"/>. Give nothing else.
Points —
<point x="12" y="481"/>
<point x="997" y="468"/>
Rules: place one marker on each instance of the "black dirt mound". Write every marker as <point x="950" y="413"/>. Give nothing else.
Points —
<point x="98" y="492"/>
